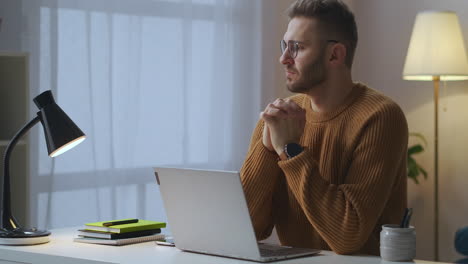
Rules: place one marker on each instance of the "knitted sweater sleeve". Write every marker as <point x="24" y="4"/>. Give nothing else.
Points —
<point x="345" y="215"/>
<point x="259" y="175"/>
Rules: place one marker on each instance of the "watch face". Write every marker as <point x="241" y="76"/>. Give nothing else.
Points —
<point x="293" y="149"/>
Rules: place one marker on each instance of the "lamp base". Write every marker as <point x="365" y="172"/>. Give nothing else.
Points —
<point x="23" y="236"/>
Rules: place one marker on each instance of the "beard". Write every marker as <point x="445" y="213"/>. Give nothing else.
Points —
<point x="312" y="75"/>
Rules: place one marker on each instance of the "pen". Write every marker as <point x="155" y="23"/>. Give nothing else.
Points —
<point x="408" y="217"/>
<point x="120" y="222"/>
<point x="403" y="221"/>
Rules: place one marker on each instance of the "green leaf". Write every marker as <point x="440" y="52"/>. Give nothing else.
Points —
<point x="415" y="149"/>
<point x="413" y="178"/>
<point x="412" y="167"/>
<point x="423" y="171"/>
<point x="411" y="162"/>
<point x="413" y="170"/>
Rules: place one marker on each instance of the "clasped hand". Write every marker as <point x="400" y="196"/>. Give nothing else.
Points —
<point x="284" y="123"/>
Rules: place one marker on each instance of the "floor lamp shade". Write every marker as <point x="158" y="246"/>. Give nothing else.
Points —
<point x="60" y="131"/>
<point x="436" y="48"/>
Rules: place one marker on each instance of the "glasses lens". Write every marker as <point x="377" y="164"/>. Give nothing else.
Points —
<point x="283" y="46"/>
<point x="293" y="47"/>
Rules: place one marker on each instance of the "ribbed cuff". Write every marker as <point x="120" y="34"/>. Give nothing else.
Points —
<point x="304" y="158"/>
<point x="260" y="164"/>
<point x="265" y="154"/>
<point x="299" y="169"/>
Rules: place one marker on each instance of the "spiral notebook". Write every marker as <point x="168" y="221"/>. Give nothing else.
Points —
<point x="119" y="242"/>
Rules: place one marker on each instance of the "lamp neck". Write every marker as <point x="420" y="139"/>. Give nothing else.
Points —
<point x="7" y="220"/>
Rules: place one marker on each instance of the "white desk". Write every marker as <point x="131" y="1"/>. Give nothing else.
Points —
<point x="61" y="249"/>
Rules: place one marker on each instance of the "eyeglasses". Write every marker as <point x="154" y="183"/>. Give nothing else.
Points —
<point x="293" y="46"/>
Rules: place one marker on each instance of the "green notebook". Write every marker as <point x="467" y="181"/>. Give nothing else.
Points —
<point x="125" y="228"/>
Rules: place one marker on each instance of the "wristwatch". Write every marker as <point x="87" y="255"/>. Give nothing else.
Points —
<point x="291" y="150"/>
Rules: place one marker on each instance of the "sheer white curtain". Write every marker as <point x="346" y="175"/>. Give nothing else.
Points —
<point x="173" y="83"/>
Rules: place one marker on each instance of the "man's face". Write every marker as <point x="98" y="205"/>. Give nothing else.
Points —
<point x="307" y="69"/>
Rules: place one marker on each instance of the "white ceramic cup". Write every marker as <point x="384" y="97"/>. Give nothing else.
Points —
<point x="397" y="244"/>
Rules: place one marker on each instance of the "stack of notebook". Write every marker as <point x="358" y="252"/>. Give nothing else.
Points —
<point x="120" y="232"/>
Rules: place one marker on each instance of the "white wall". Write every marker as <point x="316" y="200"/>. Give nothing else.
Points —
<point x="384" y="31"/>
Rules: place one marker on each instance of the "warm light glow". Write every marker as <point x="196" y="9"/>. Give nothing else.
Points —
<point x="436" y="48"/>
<point x="67" y="146"/>
<point x="428" y="77"/>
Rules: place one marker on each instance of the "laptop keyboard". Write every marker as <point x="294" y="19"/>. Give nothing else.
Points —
<point x="269" y="250"/>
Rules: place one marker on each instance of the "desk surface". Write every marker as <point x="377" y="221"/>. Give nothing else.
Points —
<point x="61" y="249"/>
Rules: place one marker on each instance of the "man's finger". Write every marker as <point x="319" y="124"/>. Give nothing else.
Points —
<point x="267" y="118"/>
<point x="272" y="110"/>
<point x="287" y="105"/>
<point x="279" y="103"/>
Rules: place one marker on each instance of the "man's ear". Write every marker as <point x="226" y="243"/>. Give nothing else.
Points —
<point x="338" y="54"/>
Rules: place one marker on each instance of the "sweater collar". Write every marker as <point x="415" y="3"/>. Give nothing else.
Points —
<point x="319" y="117"/>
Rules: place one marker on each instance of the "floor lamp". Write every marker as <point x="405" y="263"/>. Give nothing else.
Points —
<point x="436" y="53"/>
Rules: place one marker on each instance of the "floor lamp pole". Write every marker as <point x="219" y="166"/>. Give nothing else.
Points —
<point x="436" y="80"/>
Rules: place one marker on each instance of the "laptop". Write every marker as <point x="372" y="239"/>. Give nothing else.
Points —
<point x="208" y="214"/>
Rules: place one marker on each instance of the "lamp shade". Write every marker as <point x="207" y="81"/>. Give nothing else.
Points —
<point x="60" y="131"/>
<point x="436" y="48"/>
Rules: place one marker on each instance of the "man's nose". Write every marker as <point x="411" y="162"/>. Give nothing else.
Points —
<point x="286" y="58"/>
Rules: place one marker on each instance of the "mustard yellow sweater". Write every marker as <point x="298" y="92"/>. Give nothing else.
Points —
<point x="349" y="180"/>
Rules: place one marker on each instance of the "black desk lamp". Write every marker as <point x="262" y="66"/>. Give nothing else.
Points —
<point x="61" y="135"/>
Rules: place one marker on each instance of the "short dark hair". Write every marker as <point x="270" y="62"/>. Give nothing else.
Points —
<point x="335" y="21"/>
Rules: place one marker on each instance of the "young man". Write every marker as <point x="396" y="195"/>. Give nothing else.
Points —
<point x="326" y="167"/>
